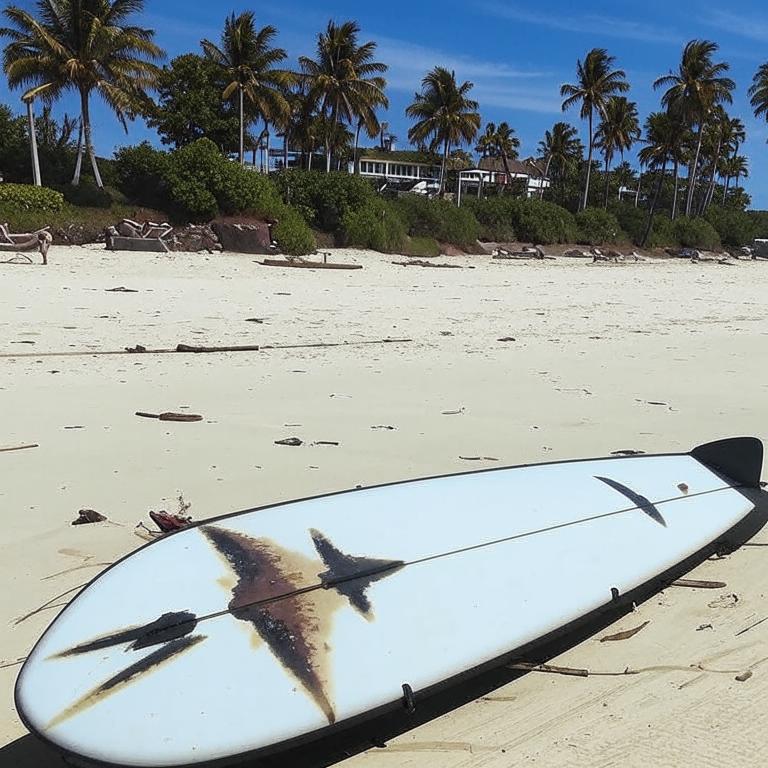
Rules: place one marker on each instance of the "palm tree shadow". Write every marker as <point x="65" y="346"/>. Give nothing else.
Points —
<point x="357" y="737"/>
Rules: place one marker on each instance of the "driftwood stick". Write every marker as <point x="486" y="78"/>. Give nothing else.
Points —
<point x="198" y="350"/>
<point x="752" y="626"/>
<point x="569" y="671"/>
<point x="19" y="448"/>
<point x="624" y="635"/>
<point x="697" y="584"/>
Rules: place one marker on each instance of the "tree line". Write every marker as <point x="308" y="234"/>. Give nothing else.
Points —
<point x="238" y="91"/>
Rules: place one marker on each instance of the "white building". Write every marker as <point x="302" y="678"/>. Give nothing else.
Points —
<point x="396" y="166"/>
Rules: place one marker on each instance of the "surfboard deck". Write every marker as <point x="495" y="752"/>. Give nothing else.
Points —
<point x="254" y="629"/>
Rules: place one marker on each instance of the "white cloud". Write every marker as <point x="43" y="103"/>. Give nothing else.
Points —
<point x="585" y="23"/>
<point x="744" y="25"/>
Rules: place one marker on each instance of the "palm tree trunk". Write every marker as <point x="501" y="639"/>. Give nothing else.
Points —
<point x="33" y="144"/>
<point x="637" y="191"/>
<point x="266" y="128"/>
<point x="80" y="153"/>
<point x="442" y="167"/>
<point x="674" y="197"/>
<point x="692" y="172"/>
<point x="242" y="127"/>
<point x="505" y="161"/>
<point x="285" y="149"/>
<point x="329" y="139"/>
<point x="88" y="141"/>
<point x="589" y="163"/>
<point x="355" y="159"/>
<point x="607" y="180"/>
<point x="711" y="186"/>
<point x="653" y="204"/>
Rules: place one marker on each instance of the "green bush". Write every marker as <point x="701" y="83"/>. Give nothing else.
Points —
<point x="141" y="172"/>
<point x="322" y="198"/>
<point x="494" y="215"/>
<point x="377" y="225"/>
<point x="696" y="233"/>
<point x="86" y="195"/>
<point x="541" y="222"/>
<point x="759" y="221"/>
<point x="632" y="220"/>
<point x="292" y="233"/>
<point x="735" y="227"/>
<point x="596" y="227"/>
<point x="26" y="197"/>
<point x="439" y="219"/>
<point x="662" y="234"/>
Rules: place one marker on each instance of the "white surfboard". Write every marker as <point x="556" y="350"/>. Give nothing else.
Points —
<point x="255" y="629"/>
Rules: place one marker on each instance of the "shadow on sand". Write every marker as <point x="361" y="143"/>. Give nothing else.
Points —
<point x="30" y="752"/>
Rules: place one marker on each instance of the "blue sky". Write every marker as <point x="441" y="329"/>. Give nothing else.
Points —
<point x="516" y="53"/>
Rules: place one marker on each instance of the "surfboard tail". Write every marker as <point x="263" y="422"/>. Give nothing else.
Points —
<point x="739" y="459"/>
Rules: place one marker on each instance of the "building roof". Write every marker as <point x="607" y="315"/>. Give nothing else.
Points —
<point x="527" y="167"/>
<point x="399" y="156"/>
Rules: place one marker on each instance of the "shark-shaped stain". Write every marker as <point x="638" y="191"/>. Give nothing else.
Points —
<point x="277" y="594"/>
<point x="350" y="575"/>
<point x="639" y="501"/>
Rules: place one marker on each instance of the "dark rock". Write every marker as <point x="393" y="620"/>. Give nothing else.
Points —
<point x="245" y="238"/>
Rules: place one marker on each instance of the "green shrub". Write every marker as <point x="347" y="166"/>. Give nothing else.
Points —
<point x="439" y="219"/>
<point x="141" y="172"/>
<point x="377" y="225"/>
<point x="632" y="220"/>
<point x="662" y="234"/>
<point x="26" y="197"/>
<point x="597" y="226"/>
<point x="759" y="221"/>
<point x="541" y="222"/>
<point x="323" y="198"/>
<point x="696" y="233"/>
<point x="735" y="227"/>
<point x="494" y="215"/>
<point x="86" y="195"/>
<point x="292" y="233"/>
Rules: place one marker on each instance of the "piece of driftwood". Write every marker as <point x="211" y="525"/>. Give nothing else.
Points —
<point x="422" y="263"/>
<point x="293" y="442"/>
<point x="129" y="235"/>
<point x="205" y="350"/>
<point x="751" y="626"/>
<point x="19" y="448"/>
<point x="523" y="666"/>
<point x="625" y="635"/>
<point x="307" y="264"/>
<point x="180" y="417"/>
<point x="168" y="522"/>
<point x="698" y="584"/>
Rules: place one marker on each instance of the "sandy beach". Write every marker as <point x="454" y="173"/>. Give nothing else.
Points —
<point x="654" y="356"/>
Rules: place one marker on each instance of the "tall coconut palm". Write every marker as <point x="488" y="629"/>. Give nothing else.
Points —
<point x="660" y="145"/>
<point x="344" y="79"/>
<point x="737" y="167"/>
<point x="247" y="56"/>
<point x="87" y="46"/>
<point x="368" y="118"/>
<point x="758" y="92"/>
<point x="693" y="91"/>
<point x="500" y="141"/>
<point x="720" y="138"/>
<point x="618" y="131"/>
<point x="596" y="82"/>
<point x="737" y="134"/>
<point x="562" y="149"/>
<point x="445" y="115"/>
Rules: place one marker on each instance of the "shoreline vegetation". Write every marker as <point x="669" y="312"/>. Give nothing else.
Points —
<point x="236" y="95"/>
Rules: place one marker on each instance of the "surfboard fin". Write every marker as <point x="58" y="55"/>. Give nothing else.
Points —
<point x="740" y="459"/>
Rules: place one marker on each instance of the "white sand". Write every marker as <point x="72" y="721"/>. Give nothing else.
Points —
<point x="595" y="345"/>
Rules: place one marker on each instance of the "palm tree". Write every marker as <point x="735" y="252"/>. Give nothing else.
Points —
<point x="249" y="60"/>
<point x="720" y="137"/>
<point x="82" y="45"/>
<point x="758" y="92"/>
<point x="562" y="149"/>
<point x="698" y="86"/>
<point x="367" y="117"/>
<point x="619" y="130"/>
<point x="737" y="135"/>
<point x="344" y="79"/>
<point x="444" y="114"/>
<point x="661" y="141"/>
<point x="736" y="166"/>
<point x="596" y="83"/>
<point x="500" y="142"/>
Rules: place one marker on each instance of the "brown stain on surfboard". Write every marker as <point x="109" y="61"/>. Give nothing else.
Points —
<point x="274" y="594"/>
<point x="150" y="663"/>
